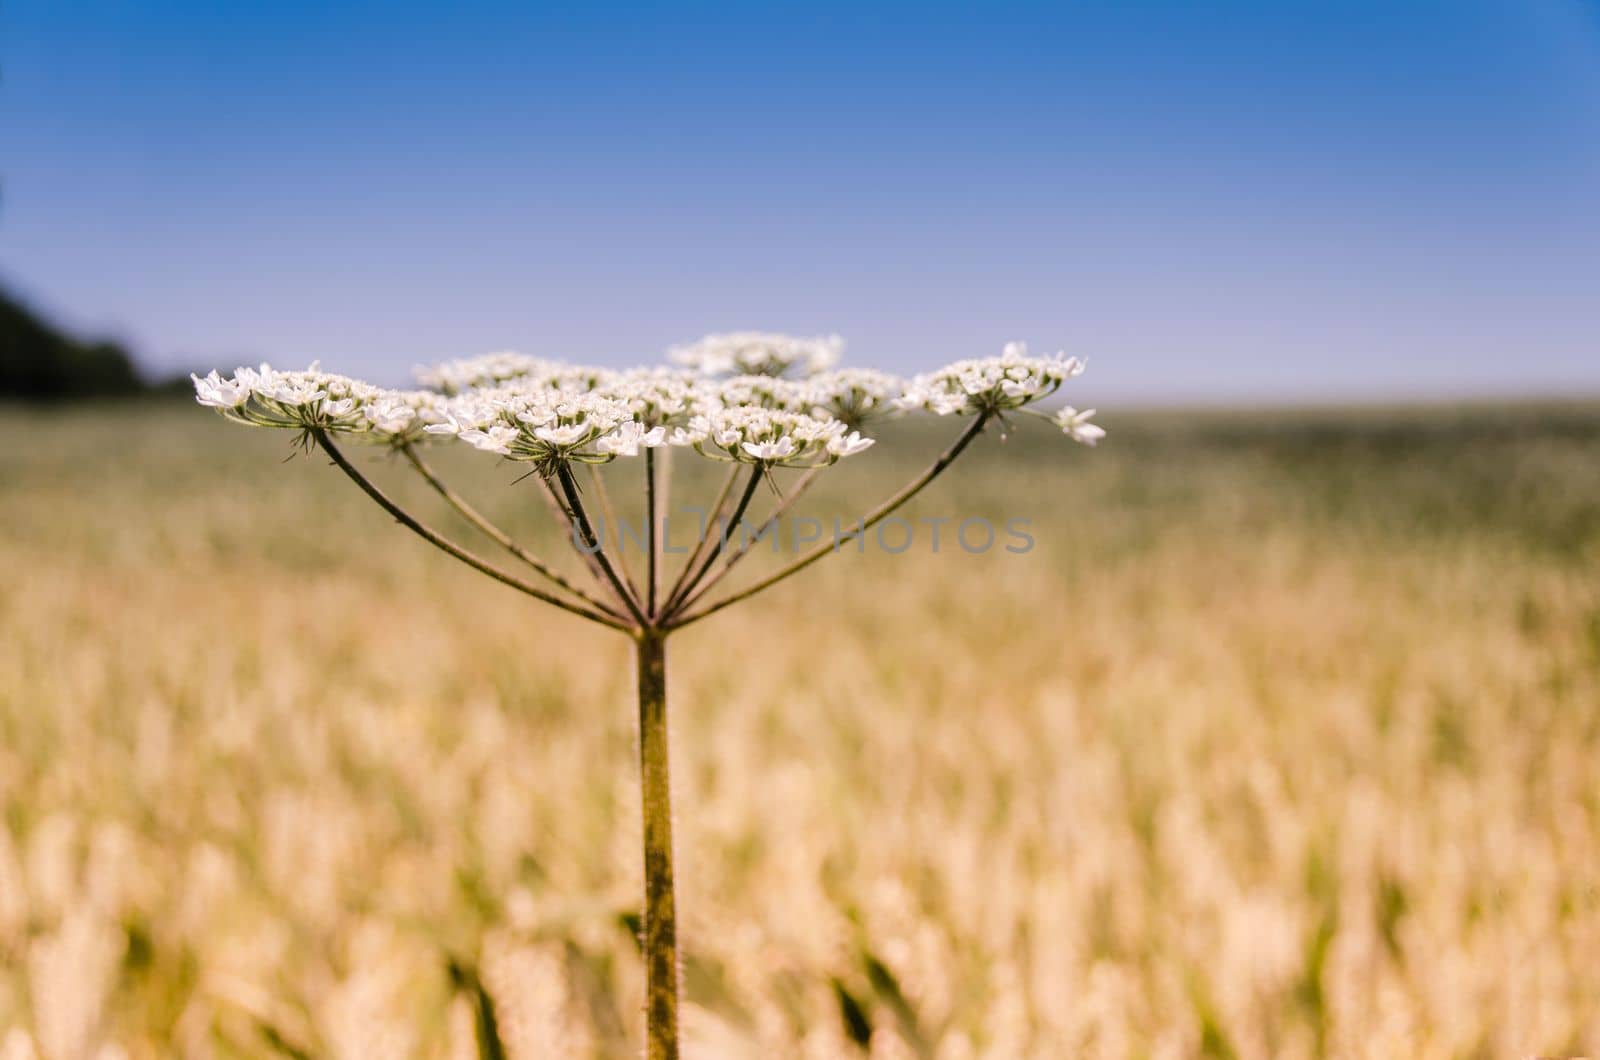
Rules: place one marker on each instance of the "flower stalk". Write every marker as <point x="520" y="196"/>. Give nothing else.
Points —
<point x="871" y="519"/>
<point x="500" y="537"/>
<point x="717" y="533"/>
<point x="438" y="540"/>
<point x="787" y="501"/>
<point x="660" y="939"/>
<point x="593" y="544"/>
<point x="652" y="542"/>
<point x="713" y="516"/>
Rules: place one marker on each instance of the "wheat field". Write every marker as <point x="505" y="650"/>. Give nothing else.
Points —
<point x="1282" y="742"/>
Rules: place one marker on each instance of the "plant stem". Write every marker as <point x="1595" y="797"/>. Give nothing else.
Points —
<point x="745" y="547"/>
<point x="675" y="604"/>
<point x="547" y="490"/>
<point x="660" y="912"/>
<point x="699" y="550"/>
<point x="871" y="519"/>
<point x="608" y="515"/>
<point x="652" y="531"/>
<point x="591" y="542"/>
<point x="437" y="539"/>
<point x="500" y="537"/>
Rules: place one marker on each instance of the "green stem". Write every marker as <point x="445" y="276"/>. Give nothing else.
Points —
<point x="498" y="536"/>
<point x="433" y="537"/>
<point x="652" y="514"/>
<point x="745" y="547"/>
<point x="609" y="516"/>
<point x="713" y="514"/>
<point x="592" y="543"/>
<point x="547" y="490"/>
<point x="675" y="604"/>
<point x="871" y="519"/>
<point x="660" y="912"/>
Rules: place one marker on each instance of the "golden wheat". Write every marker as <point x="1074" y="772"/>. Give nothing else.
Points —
<point x="1281" y="743"/>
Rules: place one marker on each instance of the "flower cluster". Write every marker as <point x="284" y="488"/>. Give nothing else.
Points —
<point x="265" y="397"/>
<point x="759" y="353"/>
<point x="548" y="412"/>
<point x="545" y="424"/>
<point x="314" y="399"/>
<point x="991" y="384"/>
<point x="751" y="434"/>
<point x="657" y="396"/>
<point x="853" y="395"/>
<point x="488" y="369"/>
<point x="401" y="417"/>
<point x="763" y="391"/>
<point x="492" y="369"/>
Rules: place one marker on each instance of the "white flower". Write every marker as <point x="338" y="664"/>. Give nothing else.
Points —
<point x="991" y="384"/>
<point x="655" y="396"/>
<point x="496" y="439"/>
<point x="450" y="424"/>
<point x="758" y="434"/>
<point x="267" y="398"/>
<point x="491" y="369"/>
<point x="564" y="435"/>
<point x="300" y="389"/>
<point x="628" y="437"/>
<point x="781" y="449"/>
<point x="854" y="395"/>
<point x="840" y="445"/>
<point x="1076" y="425"/>
<point x="776" y="402"/>
<point x="220" y="393"/>
<point x="691" y="435"/>
<point x="759" y="353"/>
<point x="390" y="415"/>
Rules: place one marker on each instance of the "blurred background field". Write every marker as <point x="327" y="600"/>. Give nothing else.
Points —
<point x="1281" y="743"/>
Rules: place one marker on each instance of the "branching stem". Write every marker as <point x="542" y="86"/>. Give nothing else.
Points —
<point x="720" y="531"/>
<point x="652" y="514"/>
<point x="608" y="516"/>
<point x="500" y="537"/>
<point x="871" y="519"/>
<point x="699" y="550"/>
<point x="437" y="539"/>
<point x="783" y="506"/>
<point x="558" y="509"/>
<point x="569" y="488"/>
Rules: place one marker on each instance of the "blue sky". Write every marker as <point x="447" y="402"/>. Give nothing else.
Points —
<point x="1220" y="201"/>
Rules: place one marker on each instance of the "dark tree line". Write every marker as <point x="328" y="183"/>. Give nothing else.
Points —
<point x="41" y="363"/>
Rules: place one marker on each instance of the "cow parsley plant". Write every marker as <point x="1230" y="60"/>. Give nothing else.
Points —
<point x="755" y="402"/>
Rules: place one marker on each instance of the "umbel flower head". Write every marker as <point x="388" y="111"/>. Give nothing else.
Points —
<point x="992" y="384"/>
<point x="759" y="353"/>
<point x="753" y="434"/>
<point x="856" y="396"/>
<point x="493" y="369"/>
<point x="786" y="406"/>
<point x="264" y="397"/>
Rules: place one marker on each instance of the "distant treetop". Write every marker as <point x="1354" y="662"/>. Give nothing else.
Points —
<point x="40" y="363"/>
